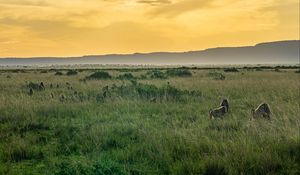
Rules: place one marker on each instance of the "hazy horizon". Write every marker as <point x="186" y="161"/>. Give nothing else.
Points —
<point x="162" y="51"/>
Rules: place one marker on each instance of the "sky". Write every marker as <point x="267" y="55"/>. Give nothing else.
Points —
<point x="32" y="28"/>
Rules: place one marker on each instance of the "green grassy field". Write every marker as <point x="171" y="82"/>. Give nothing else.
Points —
<point x="148" y="122"/>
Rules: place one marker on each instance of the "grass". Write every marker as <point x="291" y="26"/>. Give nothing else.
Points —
<point x="128" y="133"/>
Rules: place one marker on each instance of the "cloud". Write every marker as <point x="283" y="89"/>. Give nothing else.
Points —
<point x="79" y="27"/>
<point x="180" y="7"/>
<point x="37" y="3"/>
<point x="154" y="2"/>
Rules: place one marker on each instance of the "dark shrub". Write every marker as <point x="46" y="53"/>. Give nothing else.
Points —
<point x="72" y="72"/>
<point x="34" y="86"/>
<point x="58" y="73"/>
<point x="99" y="75"/>
<point x="277" y="70"/>
<point x="44" y="71"/>
<point x="126" y="76"/>
<point x="214" y="168"/>
<point x="179" y="73"/>
<point x="156" y="74"/>
<point x="231" y="70"/>
<point x="150" y="91"/>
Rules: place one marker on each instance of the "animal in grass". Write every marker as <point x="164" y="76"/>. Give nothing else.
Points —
<point x="153" y="100"/>
<point x="263" y="110"/>
<point x="30" y="92"/>
<point x="225" y="103"/>
<point x="42" y="87"/>
<point x="62" y="98"/>
<point x="218" y="112"/>
<point x="105" y="88"/>
<point x="104" y="95"/>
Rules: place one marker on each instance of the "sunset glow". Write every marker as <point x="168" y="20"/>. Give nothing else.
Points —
<point x="85" y="27"/>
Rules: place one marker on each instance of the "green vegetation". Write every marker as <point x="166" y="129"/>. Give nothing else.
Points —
<point x="99" y="75"/>
<point x="126" y="76"/>
<point x="156" y="74"/>
<point x="179" y="73"/>
<point x="231" y="70"/>
<point x="58" y="73"/>
<point x="148" y="126"/>
<point x="72" y="72"/>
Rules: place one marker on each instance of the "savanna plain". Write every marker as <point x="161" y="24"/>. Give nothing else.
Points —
<point x="148" y="121"/>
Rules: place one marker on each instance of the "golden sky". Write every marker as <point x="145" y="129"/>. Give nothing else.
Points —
<point x="87" y="27"/>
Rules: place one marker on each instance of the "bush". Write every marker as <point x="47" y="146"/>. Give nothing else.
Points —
<point x="213" y="168"/>
<point x="58" y="73"/>
<point x="126" y="76"/>
<point x="72" y="72"/>
<point x="147" y="91"/>
<point x="99" y="75"/>
<point x="231" y="70"/>
<point x="34" y="86"/>
<point x="156" y="74"/>
<point x="179" y="73"/>
<point x="44" y="71"/>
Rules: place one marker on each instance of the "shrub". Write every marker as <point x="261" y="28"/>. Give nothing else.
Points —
<point x="99" y="75"/>
<point x="214" y="168"/>
<point x="231" y="70"/>
<point x="72" y="72"/>
<point x="179" y="73"/>
<point x="156" y="74"/>
<point x="126" y="76"/>
<point x="150" y="91"/>
<point x="58" y="73"/>
<point x="34" y="86"/>
<point x="44" y="71"/>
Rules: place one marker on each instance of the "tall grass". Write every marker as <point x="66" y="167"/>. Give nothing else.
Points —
<point x="127" y="133"/>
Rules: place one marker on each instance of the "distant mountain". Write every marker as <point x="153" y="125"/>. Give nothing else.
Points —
<point x="280" y="52"/>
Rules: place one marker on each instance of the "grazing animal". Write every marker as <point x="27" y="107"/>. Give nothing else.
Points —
<point x="42" y="87"/>
<point x="30" y="92"/>
<point x="104" y="94"/>
<point x="153" y="100"/>
<point x="62" y="98"/>
<point x="105" y="88"/>
<point x="262" y="110"/>
<point x="218" y="112"/>
<point x="225" y="103"/>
